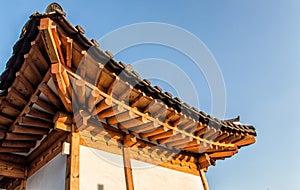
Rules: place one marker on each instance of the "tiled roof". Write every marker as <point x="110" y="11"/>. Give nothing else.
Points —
<point x="29" y="33"/>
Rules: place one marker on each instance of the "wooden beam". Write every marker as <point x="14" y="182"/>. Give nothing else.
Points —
<point x="68" y="45"/>
<point x="221" y="155"/>
<point x="27" y="121"/>
<point x="20" y="77"/>
<point x="18" y="144"/>
<point x="38" y="114"/>
<point x="46" y="29"/>
<point x="44" y="105"/>
<point x="127" y="168"/>
<point x="149" y="126"/>
<point x="46" y="151"/>
<point x="13" y="150"/>
<point x="94" y="98"/>
<point x="26" y="137"/>
<point x="133" y="123"/>
<point x="109" y="112"/>
<point x="127" y="115"/>
<point x="62" y="84"/>
<point x="35" y="50"/>
<point x="246" y="141"/>
<point x="165" y="134"/>
<point x="29" y="130"/>
<point x="52" y="97"/>
<point x="11" y="170"/>
<point x="102" y="105"/>
<point x="15" y="158"/>
<point x="13" y="92"/>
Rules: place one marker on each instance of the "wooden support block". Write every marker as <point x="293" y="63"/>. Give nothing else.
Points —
<point x="129" y="140"/>
<point x="63" y="118"/>
<point x="154" y="132"/>
<point x="52" y="97"/>
<point x="63" y="126"/>
<point x="204" y="161"/>
<point x="81" y="120"/>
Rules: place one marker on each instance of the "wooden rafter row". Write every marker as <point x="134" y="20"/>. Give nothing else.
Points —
<point x="132" y="113"/>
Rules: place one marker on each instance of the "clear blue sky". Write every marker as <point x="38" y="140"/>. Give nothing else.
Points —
<point x="256" y="44"/>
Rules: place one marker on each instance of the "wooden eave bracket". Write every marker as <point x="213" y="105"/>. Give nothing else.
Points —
<point x="204" y="161"/>
<point x="129" y="140"/>
<point x="63" y="122"/>
<point x="81" y="120"/>
<point x="52" y="44"/>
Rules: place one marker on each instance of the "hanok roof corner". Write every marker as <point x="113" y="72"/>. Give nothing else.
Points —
<point x="55" y="72"/>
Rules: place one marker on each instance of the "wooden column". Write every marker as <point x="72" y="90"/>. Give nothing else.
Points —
<point x="127" y="168"/>
<point x="129" y="141"/>
<point x="72" y="170"/>
<point x="203" y="179"/>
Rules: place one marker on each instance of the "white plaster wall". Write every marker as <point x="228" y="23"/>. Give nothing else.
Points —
<point x="49" y="177"/>
<point x="98" y="167"/>
<point x="149" y="177"/>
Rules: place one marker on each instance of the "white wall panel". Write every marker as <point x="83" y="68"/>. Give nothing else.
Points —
<point x="49" y="177"/>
